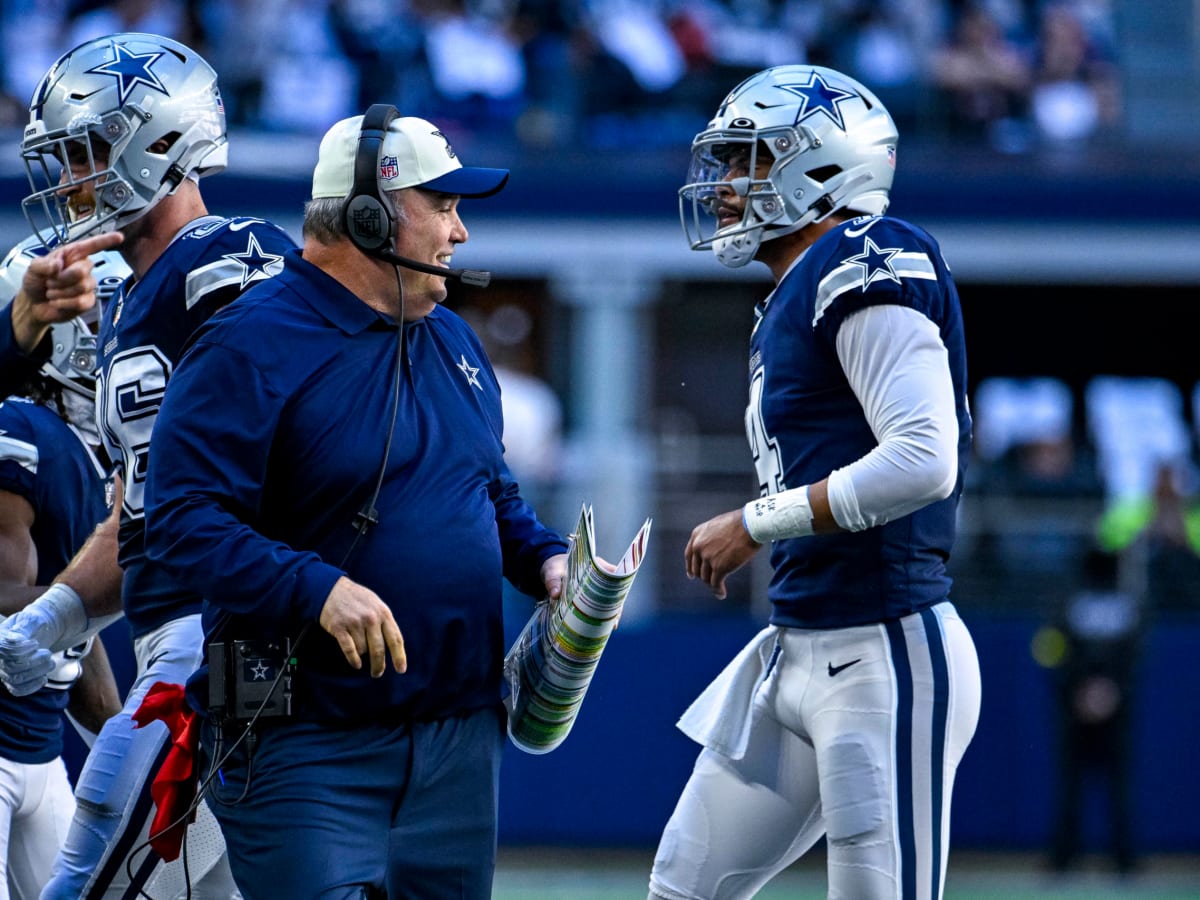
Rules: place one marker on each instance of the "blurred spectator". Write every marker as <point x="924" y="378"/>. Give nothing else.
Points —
<point x="985" y="79"/>
<point x="1094" y="647"/>
<point x="29" y="43"/>
<point x="383" y="42"/>
<point x="1028" y="451"/>
<point x="243" y="39"/>
<point x="550" y="36"/>
<point x="1025" y="438"/>
<point x="475" y="64"/>
<point x="1076" y="90"/>
<point x="533" y="421"/>
<point x="90" y="19"/>
<point x="1162" y="530"/>
<point x="1135" y="423"/>
<point x="880" y="42"/>
<point x="533" y="414"/>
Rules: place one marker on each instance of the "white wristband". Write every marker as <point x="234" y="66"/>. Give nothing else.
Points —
<point x="779" y="516"/>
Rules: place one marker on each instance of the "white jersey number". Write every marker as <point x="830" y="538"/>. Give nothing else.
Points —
<point x="129" y="396"/>
<point x="767" y="460"/>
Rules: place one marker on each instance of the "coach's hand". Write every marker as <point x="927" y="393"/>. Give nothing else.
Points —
<point x="717" y="549"/>
<point x="361" y="623"/>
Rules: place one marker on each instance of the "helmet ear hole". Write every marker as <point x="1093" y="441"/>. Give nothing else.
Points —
<point x="823" y="173"/>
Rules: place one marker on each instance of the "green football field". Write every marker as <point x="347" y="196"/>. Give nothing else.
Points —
<point x="532" y="874"/>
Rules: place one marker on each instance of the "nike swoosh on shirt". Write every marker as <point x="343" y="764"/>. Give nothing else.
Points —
<point x="833" y="670"/>
<point x="859" y="232"/>
<point x="238" y="226"/>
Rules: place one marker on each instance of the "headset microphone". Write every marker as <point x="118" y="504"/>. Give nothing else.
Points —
<point x="473" y="277"/>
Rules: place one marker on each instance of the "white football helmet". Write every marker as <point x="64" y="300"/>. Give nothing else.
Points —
<point x="72" y="360"/>
<point x="829" y="142"/>
<point x="103" y="106"/>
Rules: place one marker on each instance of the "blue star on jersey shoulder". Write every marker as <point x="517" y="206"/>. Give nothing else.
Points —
<point x="254" y="262"/>
<point x="876" y="263"/>
<point x="131" y="69"/>
<point x="819" y="97"/>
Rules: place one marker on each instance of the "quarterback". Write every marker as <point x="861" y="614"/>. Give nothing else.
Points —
<point x="848" y="714"/>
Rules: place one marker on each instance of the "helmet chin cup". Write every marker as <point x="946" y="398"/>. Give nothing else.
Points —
<point x="736" y="250"/>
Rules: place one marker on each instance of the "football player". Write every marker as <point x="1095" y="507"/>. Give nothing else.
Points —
<point x="61" y="279"/>
<point x="52" y="494"/>
<point x="121" y="130"/>
<point x="847" y="716"/>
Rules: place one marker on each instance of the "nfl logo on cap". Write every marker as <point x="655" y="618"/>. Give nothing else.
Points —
<point x="388" y="167"/>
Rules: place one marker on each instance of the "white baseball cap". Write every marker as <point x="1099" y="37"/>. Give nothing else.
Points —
<point x="415" y="154"/>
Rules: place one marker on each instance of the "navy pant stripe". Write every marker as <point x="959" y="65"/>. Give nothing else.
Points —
<point x="904" y="762"/>
<point x="941" y="711"/>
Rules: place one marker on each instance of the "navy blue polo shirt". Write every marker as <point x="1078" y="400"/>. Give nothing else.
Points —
<point x="271" y="440"/>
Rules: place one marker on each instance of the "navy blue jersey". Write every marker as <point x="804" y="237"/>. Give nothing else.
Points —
<point x="15" y="367"/>
<point x="804" y="421"/>
<point x="44" y="461"/>
<point x="271" y="441"/>
<point x="142" y="336"/>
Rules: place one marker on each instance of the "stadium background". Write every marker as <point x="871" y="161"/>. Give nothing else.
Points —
<point x="1076" y="257"/>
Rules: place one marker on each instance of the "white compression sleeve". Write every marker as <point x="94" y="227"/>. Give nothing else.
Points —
<point x="896" y="364"/>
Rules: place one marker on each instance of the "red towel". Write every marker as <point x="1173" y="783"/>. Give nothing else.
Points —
<point x="174" y="787"/>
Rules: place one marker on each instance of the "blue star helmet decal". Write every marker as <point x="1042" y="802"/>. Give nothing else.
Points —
<point x="131" y="69"/>
<point x="254" y="262"/>
<point x="876" y="263"/>
<point x="818" y="97"/>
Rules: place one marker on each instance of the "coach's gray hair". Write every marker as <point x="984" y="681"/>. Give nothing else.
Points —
<point x="323" y="217"/>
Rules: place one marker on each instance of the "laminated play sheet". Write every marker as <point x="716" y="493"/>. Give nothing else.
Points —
<point x="550" y="665"/>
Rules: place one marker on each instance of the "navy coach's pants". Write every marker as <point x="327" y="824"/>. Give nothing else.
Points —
<point x="341" y="813"/>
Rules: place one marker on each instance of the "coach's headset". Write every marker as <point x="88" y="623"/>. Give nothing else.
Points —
<point x="367" y="215"/>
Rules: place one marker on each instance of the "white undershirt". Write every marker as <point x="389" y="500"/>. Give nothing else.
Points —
<point x="897" y="366"/>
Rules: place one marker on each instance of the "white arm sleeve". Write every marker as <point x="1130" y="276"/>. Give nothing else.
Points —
<point x="897" y="366"/>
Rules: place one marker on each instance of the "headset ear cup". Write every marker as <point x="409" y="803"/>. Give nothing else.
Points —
<point x="367" y="215"/>
<point x="368" y="223"/>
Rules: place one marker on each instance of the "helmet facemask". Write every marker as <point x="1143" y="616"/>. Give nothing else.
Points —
<point x="742" y="162"/>
<point x="75" y="190"/>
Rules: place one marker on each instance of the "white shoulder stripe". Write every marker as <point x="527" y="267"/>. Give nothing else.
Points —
<point x="21" y="452"/>
<point x="213" y="277"/>
<point x="849" y="276"/>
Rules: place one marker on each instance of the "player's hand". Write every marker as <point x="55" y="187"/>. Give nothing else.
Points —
<point x="57" y="287"/>
<point x="554" y="575"/>
<point x="717" y="549"/>
<point x="25" y="664"/>
<point x="361" y="623"/>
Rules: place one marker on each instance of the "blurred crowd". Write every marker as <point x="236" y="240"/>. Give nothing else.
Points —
<point x="1012" y="73"/>
<point x="1126" y="448"/>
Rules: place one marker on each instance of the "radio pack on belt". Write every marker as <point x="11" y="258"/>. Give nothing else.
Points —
<point x="250" y="679"/>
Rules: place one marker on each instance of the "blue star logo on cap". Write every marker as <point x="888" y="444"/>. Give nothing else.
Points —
<point x="131" y="69"/>
<point x="256" y="265"/>
<point x="875" y="263"/>
<point x="818" y="96"/>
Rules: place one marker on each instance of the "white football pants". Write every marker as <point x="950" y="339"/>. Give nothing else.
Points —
<point x="106" y="854"/>
<point x="36" y="806"/>
<point x="856" y="736"/>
